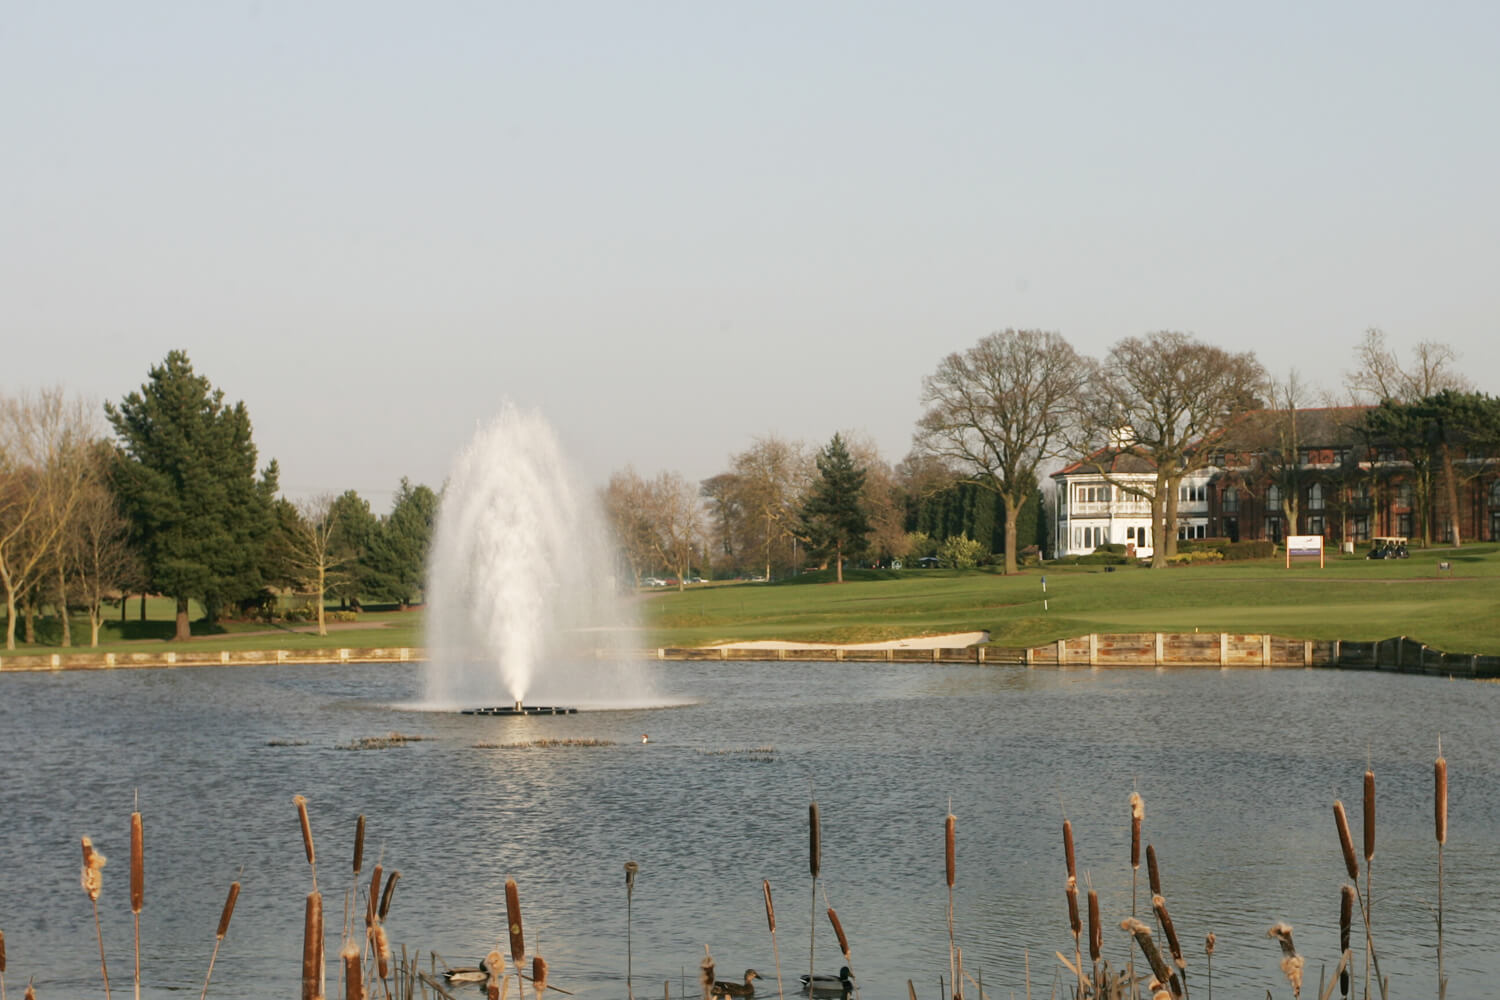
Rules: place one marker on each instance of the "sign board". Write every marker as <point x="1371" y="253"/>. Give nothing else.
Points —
<point x="1304" y="545"/>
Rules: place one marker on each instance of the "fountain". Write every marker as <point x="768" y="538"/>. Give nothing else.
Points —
<point x="524" y="605"/>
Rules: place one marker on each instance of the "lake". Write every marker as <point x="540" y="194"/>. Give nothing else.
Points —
<point x="1238" y="770"/>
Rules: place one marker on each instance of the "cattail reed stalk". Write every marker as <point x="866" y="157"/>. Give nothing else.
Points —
<point x="1346" y="841"/>
<point x="814" y="865"/>
<point x="630" y="871"/>
<point x="765" y="888"/>
<point x="307" y="837"/>
<point x="389" y="893"/>
<point x="2" y="965"/>
<point x="1068" y="849"/>
<point x="539" y="975"/>
<point x="359" y="844"/>
<point x="354" y="988"/>
<point x="706" y="973"/>
<point x="1075" y="924"/>
<point x="1440" y="827"/>
<point x="1137" y="817"/>
<point x="1291" y="962"/>
<point x="1208" y="954"/>
<point x="838" y="932"/>
<point x="950" y="857"/>
<point x="1369" y="831"/>
<point x="371" y="910"/>
<point x="494" y="967"/>
<point x="1346" y="921"/>
<point x="513" y="921"/>
<point x="1096" y="928"/>
<point x="312" y="947"/>
<point x="1159" y="967"/>
<point x="93" y="881"/>
<point x="1153" y="873"/>
<point x="1165" y="919"/>
<point x="224" y="918"/>
<point x="137" y="888"/>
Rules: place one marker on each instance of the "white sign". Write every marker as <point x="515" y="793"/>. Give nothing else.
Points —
<point x="1304" y="545"/>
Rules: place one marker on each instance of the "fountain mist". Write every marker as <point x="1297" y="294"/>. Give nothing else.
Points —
<point x="523" y="601"/>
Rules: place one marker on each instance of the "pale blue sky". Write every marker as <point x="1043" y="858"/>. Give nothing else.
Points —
<point x="675" y="226"/>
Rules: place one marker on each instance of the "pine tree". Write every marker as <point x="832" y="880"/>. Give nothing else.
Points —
<point x="185" y="472"/>
<point x="833" y="520"/>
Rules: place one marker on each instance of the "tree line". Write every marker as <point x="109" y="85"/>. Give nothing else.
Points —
<point x="999" y="416"/>
<point x="175" y="504"/>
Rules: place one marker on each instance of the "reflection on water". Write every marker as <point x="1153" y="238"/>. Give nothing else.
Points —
<point x="1238" y="770"/>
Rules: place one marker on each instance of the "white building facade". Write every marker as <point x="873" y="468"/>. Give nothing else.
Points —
<point x="1095" y="507"/>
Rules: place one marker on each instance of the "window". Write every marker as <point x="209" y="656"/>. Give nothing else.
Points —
<point x="1315" y="525"/>
<point x="1495" y="493"/>
<point x="1093" y="494"/>
<point x="1304" y="457"/>
<point x="1187" y="493"/>
<point x="1273" y="529"/>
<point x="1273" y="500"/>
<point x="1403" y="496"/>
<point x="1315" y="499"/>
<point x="1385" y="454"/>
<point x="1188" y="532"/>
<point x="1403" y="524"/>
<point x="1231" y="500"/>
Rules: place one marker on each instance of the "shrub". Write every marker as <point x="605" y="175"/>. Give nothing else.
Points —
<point x="1195" y="556"/>
<point x="1113" y="548"/>
<point x="960" y="552"/>
<point x="1101" y="557"/>
<point x="341" y="616"/>
<point x="1249" y="550"/>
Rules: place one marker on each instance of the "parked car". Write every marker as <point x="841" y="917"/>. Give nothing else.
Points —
<point x="653" y="581"/>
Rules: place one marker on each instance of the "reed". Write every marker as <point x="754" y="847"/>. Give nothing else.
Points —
<point x="1351" y="866"/>
<point x="224" y="917"/>
<point x="354" y="987"/>
<point x="359" y="844"/>
<point x="1153" y="873"/>
<point x="1291" y="962"/>
<point x="312" y="947"/>
<point x="513" y="923"/>
<point x="494" y="968"/>
<point x="1137" y="817"/>
<point x="1208" y="957"/>
<point x="814" y="865"/>
<point x="2" y="965"/>
<point x="1167" y="928"/>
<point x="631" y="868"/>
<point x="388" y="893"/>
<point x="539" y="975"/>
<point x="1159" y="967"/>
<point x="1440" y="828"/>
<point x="307" y="837"/>
<point x="1068" y="849"/>
<point x="92" y="878"/>
<point x="1369" y="845"/>
<point x="706" y="973"/>
<point x="950" y="858"/>
<point x="765" y="888"/>
<point x="1346" y="922"/>
<point x="1075" y="924"/>
<point x="137" y="889"/>
<point x="371" y="898"/>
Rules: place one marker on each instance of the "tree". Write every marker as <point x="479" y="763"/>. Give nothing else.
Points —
<point x="314" y="551"/>
<point x="1168" y="399"/>
<point x="1379" y="374"/>
<point x="676" y="523"/>
<point x="769" y="476"/>
<point x="627" y="504"/>
<point x="722" y="494"/>
<point x="185" y="473"/>
<point x="883" y="501"/>
<point x="833" y="516"/>
<point x="45" y="443"/>
<point x="357" y="527"/>
<point x="1000" y="409"/>
<point x="397" y="554"/>
<point x="1274" y="436"/>
<point x="99" y="554"/>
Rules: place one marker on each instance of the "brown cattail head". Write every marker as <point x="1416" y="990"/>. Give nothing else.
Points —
<point x="1208" y="944"/>
<point x="1440" y="798"/>
<point x="307" y="841"/>
<point x="706" y="973"/>
<point x="228" y="912"/>
<point x="354" y="987"/>
<point x="2" y="953"/>
<point x="838" y="930"/>
<point x="312" y="946"/>
<point x="765" y="888"/>
<point x="1096" y="929"/>
<point x="1165" y="919"/>
<point x="494" y="966"/>
<point x="1137" y="817"/>
<point x="1346" y="840"/>
<point x="513" y="920"/>
<point x="137" y="864"/>
<point x="1369" y="815"/>
<point x="1282" y="932"/>
<point x="1152" y="872"/>
<point x="630" y="872"/>
<point x="1068" y="849"/>
<point x="359" y="843"/>
<point x="390" y="891"/>
<point x="539" y="974"/>
<point x="374" y="894"/>
<point x="950" y="848"/>
<point x="382" y="953"/>
<point x="1142" y="935"/>
<point x="1074" y="923"/>
<point x="93" y="866"/>
<point x="1346" y="921"/>
<point x="1291" y="962"/>
<point x="30" y="992"/>
<point x="814" y="841"/>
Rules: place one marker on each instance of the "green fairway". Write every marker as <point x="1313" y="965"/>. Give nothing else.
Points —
<point x="1352" y="598"/>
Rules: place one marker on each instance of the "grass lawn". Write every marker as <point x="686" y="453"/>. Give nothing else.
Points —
<point x="1352" y="598"/>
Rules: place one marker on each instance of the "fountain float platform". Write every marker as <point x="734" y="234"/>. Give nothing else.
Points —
<point x="520" y="709"/>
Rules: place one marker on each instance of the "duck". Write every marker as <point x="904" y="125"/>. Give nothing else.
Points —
<point x="645" y="737"/>
<point x="824" y="985"/>
<point x="725" y="988"/>
<point x="470" y="974"/>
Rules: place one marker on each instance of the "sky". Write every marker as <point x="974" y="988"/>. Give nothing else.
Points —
<point x="673" y="227"/>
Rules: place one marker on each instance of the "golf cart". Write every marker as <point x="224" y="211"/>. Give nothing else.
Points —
<point x="1391" y="547"/>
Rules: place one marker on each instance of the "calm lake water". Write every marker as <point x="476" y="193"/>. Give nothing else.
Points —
<point x="1238" y="770"/>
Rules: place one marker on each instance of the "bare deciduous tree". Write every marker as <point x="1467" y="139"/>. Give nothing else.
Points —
<point x="676" y="519"/>
<point x="1169" y="399"/>
<point x="771" y="476"/>
<point x="1000" y="409"/>
<point x="99" y="551"/>
<point x="1381" y="376"/>
<point x="314" y="553"/>
<point x="627" y="503"/>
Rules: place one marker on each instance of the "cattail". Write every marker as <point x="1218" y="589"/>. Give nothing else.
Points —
<point x="312" y="947"/>
<point x="30" y="992"/>
<point x="1096" y="929"/>
<point x="1165" y="919"/>
<point x="765" y="888"/>
<point x="838" y="930"/>
<point x="137" y="864"/>
<point x="2" y="953"/>
<point x="1073" y="921"/>
<point x="354" y="988"/>
<point x="1346" y="840"/>
<point x="1291" y="962"/>
<point x="539" y="974"/>
<point x="814" y="841"/>
<point x="382" y="952"/>
<point x="1142" y="935"/>
<point x="1153" y="873"/>
<point x="307" y="838"/>
<point x="93" y="865"/>
<point x="950" y="847"/>
<point x="1440" y="797"/>
<point x="1068" y="848"/>
<point x="374" y="894"/>
<point x="359" y="843"/>
<point x="1137" y="816"/>
<point x="1369" y="816"/>
<point x="494" y="967"/>
<point x="390" y="891"/>
<point x="1208" y="944"/>
<point x="513" y="920"/>
<point x="224" y="918"/>
<point x="706" y="973"/>
<point x="1346" y="923"/>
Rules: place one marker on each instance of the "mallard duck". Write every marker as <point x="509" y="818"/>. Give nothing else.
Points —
<point x="823" y="985"/>
<point x="469" y="974"/>
<point x="725" y="988"/>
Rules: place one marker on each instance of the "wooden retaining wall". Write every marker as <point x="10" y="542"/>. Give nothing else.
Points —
<point x="1105" y="650"/>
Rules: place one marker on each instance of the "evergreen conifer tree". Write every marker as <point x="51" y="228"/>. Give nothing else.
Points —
<point x="833" y="520"/>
